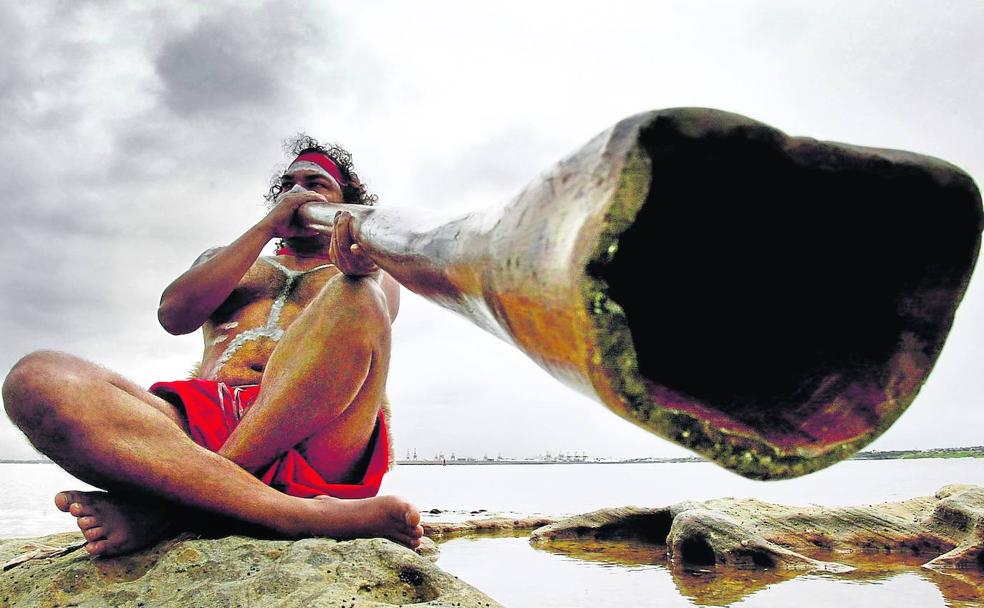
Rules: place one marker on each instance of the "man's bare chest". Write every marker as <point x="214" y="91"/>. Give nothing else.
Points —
<point x="242" y="333"/>
<point x="271" y="286"/>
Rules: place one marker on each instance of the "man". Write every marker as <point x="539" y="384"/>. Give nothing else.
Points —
<point x="288" y="394"/>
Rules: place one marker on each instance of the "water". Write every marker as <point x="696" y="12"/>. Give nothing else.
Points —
<point x="569" y="489"/>
<point x="524" y="577"/>
<point x="517" y="575"/>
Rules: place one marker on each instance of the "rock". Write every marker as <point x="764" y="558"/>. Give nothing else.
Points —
<point x="489" y="524"/>
<point x="234" y="571"/>
<point x="609" y="524"/>
<point x="961" y="518"/>
<point x="946" y="529"/>
<point x="706" y="537"/>
<point x="429" y="549"/>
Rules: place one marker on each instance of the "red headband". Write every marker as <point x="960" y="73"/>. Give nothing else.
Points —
<point x="322" y="161"/>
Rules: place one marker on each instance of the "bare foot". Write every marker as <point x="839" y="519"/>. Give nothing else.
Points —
<point x="382" y="516"/>
<point x="113" y="525"/>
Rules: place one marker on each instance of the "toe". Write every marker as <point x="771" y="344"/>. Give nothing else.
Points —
<point x="116" y="544"/>
<point x="87" y="522"/>
<point x="94" y="533"/>
<point x="63" y="500"/>
<point x="417" y="532"/>
<point x="406" y="540"/>
<point x="96" y="548"/>
<point x="79" y="509"/>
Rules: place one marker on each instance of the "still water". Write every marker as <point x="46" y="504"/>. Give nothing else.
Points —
<point x="618" y="575"/>
<point x="517" y="575"/>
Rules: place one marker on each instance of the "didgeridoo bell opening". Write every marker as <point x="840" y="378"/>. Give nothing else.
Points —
<point x="773" y="303"/>
<point x="783" y="299"/>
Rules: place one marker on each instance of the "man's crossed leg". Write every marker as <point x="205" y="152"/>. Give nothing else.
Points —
<point x="321" y="391"/>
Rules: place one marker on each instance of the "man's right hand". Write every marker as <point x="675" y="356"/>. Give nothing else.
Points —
<point x="282" y="222"/>
<point x="191" y="298"/>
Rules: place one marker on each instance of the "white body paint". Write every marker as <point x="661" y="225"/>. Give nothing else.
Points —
<point x="297" y="188"/>
<point x="270" y="329"/>
<point x="305" y="165"/>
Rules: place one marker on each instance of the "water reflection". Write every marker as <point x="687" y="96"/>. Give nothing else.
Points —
<point x="633" y="573"/>
<point x="723" y="586"/>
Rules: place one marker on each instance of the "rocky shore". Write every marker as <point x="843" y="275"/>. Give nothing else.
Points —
<point x="231" y="572"/>
<point x="721" y="551"/>
<point x="712" y="540"/>
<point x="946" y="530"/>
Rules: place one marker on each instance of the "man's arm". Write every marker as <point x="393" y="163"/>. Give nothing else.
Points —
<point x="349" y="257"/>
<point x="192" y="298"/>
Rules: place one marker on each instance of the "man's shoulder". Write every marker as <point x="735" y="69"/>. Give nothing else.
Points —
<point x="211" y="252"/>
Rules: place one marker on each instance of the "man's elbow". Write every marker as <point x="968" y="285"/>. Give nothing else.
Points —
<point x="172" y="322"/>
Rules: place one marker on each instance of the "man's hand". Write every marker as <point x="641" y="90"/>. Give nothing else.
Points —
<point x="344" y="252"/>
<point x="282" y="219"/>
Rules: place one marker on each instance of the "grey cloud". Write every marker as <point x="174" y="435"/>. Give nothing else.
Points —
<point x="43" y="222"/>
<point x="231" y="83"/>
<point x="21" y="72"/>
<point x="13" y="72"/>
<point x="58" y="282"/>
<point x="147" y="149"/>
<point x="38" y="73"/>
<point x="204" y="73"/>
<point x="57" y="294"/>
<point x="237" y="59"/>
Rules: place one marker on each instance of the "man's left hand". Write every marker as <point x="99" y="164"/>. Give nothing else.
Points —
<point x="344" y="252"/>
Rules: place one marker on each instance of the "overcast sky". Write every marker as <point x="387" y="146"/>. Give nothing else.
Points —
<point x="133" y="138"/>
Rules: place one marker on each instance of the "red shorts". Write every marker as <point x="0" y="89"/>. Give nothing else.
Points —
<point x="213" y="410"/>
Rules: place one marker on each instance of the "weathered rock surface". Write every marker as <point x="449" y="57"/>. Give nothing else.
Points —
<point x="489" y="524"/>
<point x="234" y="571"/>
<point x="947" y="530"/>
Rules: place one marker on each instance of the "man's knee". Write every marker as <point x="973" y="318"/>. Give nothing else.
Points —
<point x="363" y="301"/>
<point x="32" y="382"/>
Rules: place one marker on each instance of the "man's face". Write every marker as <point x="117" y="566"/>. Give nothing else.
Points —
<point x="315" y="181"/>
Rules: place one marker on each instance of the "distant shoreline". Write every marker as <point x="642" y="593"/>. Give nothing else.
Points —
<point x="970" y="452"/>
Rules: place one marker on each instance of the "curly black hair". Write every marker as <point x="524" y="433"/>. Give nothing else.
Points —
<point x="353" y="190"/>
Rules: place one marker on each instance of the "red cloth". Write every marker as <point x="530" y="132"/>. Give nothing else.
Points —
<point x="324" y="162"/>
<point x="214" y="409"/>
